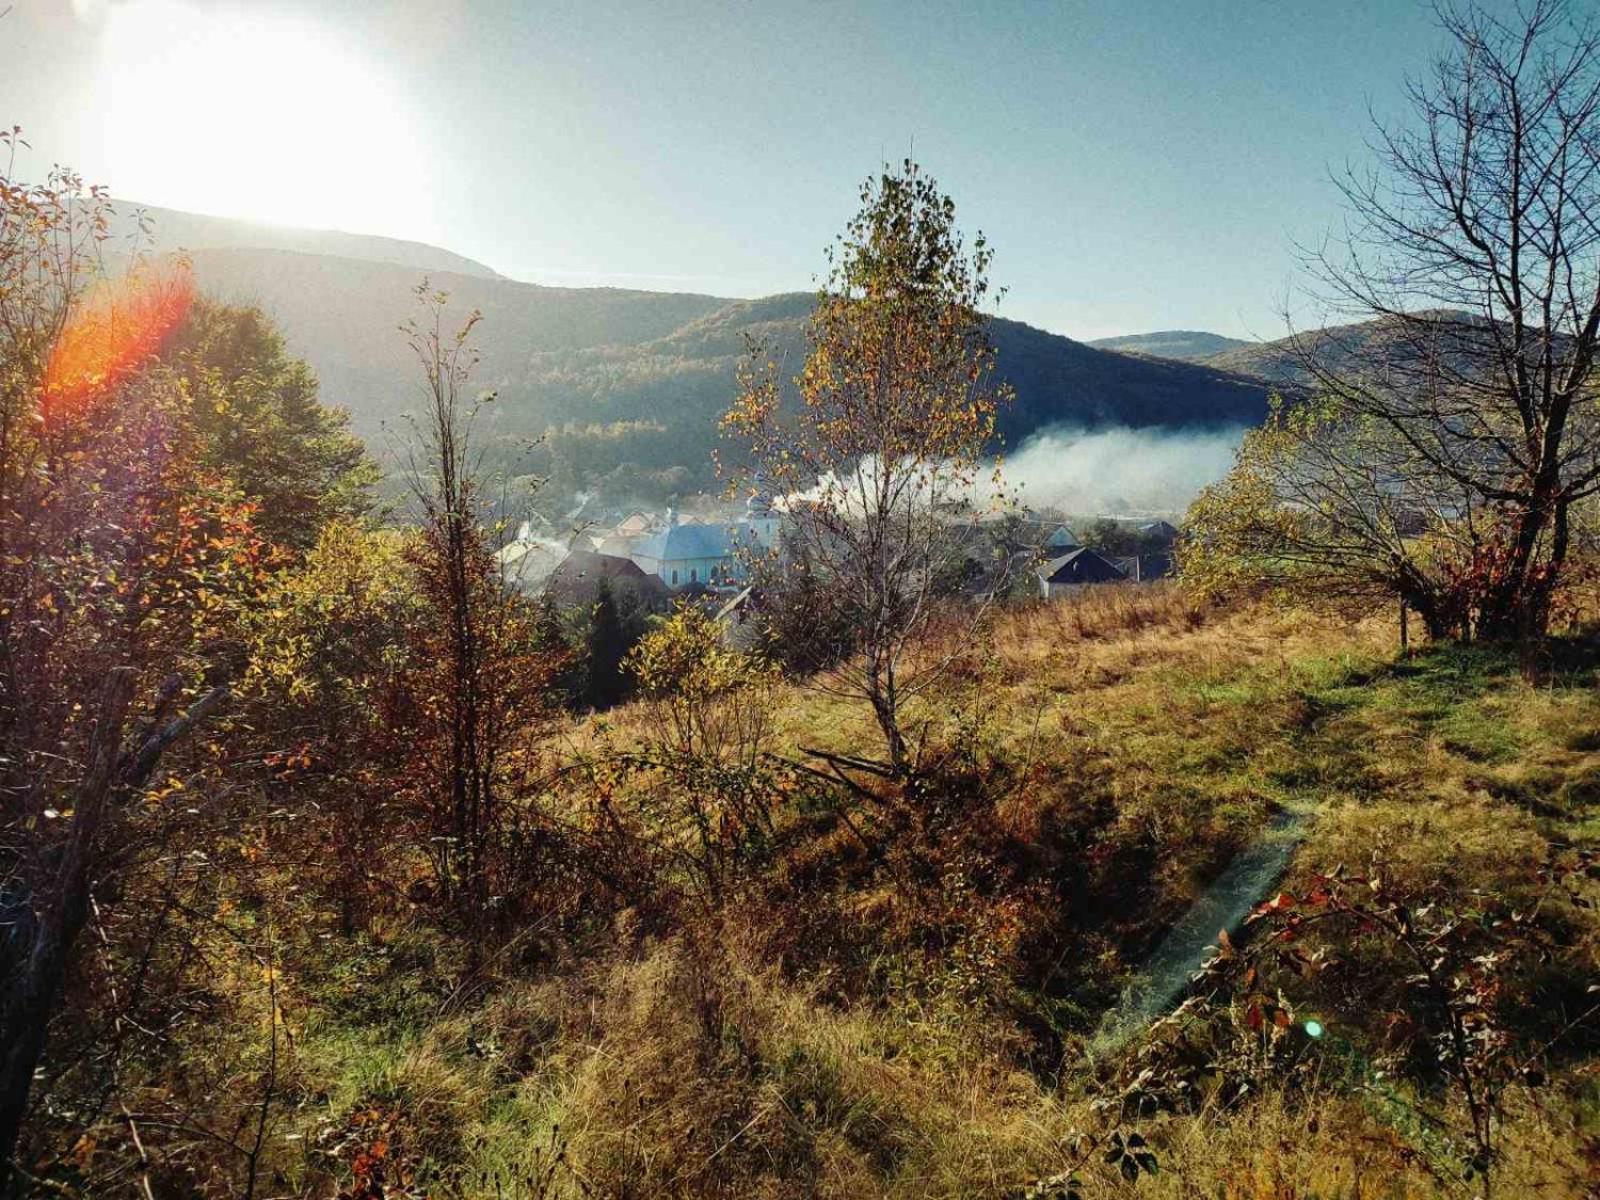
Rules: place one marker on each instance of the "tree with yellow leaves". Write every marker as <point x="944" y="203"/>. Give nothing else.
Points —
<point x="879" y="467"/>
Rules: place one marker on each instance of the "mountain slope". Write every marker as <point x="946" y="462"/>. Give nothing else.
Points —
<point x="343" y="316"/>
<point x="625" y="383"/>
<point x="173" y="230"/>
<point x="1186" y="345"/>
<point x="1057" y="381"/>
<point x="1275" y="361"/>
<point x="1350" y="347"/>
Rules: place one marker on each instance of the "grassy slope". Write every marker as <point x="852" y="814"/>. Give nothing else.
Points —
<point x="705" y="1067"/>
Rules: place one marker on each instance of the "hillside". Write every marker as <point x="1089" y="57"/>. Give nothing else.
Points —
<point x="172" y="230"/>
<point x="343" y="316"/>
<point x="1186" y="345"/>
<point x="634" y="381"/>
<point x="1339" y="346"/>
<point x="896" y="1000"/>
<point x="1277" y="361"/>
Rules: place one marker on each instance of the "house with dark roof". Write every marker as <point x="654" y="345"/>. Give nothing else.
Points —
<point x="576" y="582"/>
<point x="1079" y="568"/>
<point x="1146" y="568"/>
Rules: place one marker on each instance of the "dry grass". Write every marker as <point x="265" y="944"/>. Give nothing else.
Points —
<point x="908" y="1023"/>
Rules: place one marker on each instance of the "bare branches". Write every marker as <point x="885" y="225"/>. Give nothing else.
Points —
<point x="1472" y="255"/>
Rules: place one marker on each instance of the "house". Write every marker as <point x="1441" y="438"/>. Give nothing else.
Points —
<point x="1164" y="532"/>
<point x="1078" y="568"/>
<point x="1000" y="535"/>
<point x="576" y="582"/>
<point x="737" y="620"/>
<point x="528" y="562"/>
<point x="1059" y="540"/>
<point x="633" y="525"/>
<point x="1146" y="568"/>
<point x="618" y="546"/>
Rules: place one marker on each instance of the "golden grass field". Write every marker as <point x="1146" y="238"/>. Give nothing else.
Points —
<point x="917" y="1023"/>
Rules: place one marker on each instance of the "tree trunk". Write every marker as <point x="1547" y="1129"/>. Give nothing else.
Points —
<point x="30" y="997"/>
<point x="1517" y="607"/>
<point x="30" y="994"/>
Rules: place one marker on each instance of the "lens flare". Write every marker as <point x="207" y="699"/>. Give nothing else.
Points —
<point x="112" y="333"/>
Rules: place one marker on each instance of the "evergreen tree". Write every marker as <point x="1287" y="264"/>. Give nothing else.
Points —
<point x="606" y="646"/>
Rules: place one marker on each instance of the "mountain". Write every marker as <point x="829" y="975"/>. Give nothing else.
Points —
<point x="685" y="380"/>
<point x="1349" y="347"/>
<point x="172" y="230"/>
<point x="1186" y="345"/>
<point x="343" y="316"/>
<point x="625" y="387"/>
<point x="1277" y="361"/>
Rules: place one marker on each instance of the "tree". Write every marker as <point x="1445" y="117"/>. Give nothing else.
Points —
<point x="1467" y="407"/>
<point x="1314" y="506"/>
<point x="605" y="646"/>
<point x="258" y="416"/>
<point x="121" y="553"/>
<point x="897" y="407"/>
<point x="709" y="713"/>
<point x="326" y="700"/>
<point x="1115" y="538"/>
<point x="482" y="677"/>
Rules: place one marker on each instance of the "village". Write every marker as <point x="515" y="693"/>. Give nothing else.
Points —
<point x="655" y="558"/>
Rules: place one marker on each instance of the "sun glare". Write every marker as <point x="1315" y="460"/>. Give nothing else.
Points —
<point x="112" y="333"/>
<point x="237" y="113"/>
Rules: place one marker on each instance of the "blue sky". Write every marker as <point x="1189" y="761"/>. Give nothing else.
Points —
<point x="1140" y="165"/>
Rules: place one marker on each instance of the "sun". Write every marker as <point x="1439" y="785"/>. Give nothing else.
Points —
<point x="239" y="113"/>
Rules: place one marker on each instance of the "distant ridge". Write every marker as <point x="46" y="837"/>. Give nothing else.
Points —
<point x="600" y="355"/>
<point x="1185" y="345"/>
<point x="1340" y="347"/>
<point x="174" y="230"/>
<point x="601" y="387"/>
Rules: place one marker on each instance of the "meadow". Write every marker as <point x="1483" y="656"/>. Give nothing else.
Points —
<point x="895" y="999"/>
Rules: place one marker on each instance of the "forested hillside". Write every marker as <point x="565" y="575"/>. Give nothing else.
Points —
<point x="627" y="386"/>
<point x="1344" y="348"/>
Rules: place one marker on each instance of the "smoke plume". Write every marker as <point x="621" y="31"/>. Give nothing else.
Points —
<point x="1119" y="470"/>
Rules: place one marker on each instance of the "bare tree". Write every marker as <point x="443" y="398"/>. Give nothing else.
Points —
<point x="877" y="469"/>
<point x="1468" y="404"/>
<point x="484" y="678"/>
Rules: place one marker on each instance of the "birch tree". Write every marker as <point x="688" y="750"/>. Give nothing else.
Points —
<point x="878" y="463"/>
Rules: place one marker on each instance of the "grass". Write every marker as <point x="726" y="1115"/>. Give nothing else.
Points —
<point x="912" y="1024"/>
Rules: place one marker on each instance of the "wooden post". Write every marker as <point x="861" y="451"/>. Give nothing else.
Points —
<point x="1405" y="638"/>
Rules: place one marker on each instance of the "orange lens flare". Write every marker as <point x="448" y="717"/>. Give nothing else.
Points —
<point x="111" y="334"/>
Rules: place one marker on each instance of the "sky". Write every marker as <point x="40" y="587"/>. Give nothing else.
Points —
<point x="1136" y="164"/>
